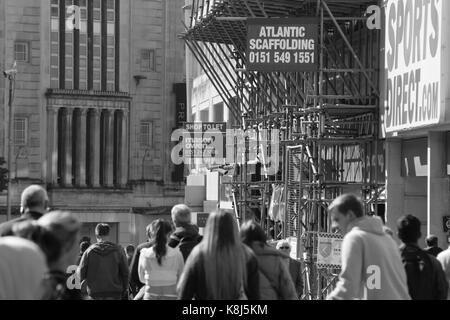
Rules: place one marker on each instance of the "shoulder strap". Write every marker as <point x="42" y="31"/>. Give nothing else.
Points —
<point x="271" y="282"/>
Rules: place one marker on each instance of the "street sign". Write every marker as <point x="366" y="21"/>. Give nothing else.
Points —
<point x="201" y="219"/>
<point x="329" y="250"/>
<point x="282" y="44"/>
<point x="446" y="223"/>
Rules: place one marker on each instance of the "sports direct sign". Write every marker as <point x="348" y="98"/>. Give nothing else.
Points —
<point x="413" y="59"/>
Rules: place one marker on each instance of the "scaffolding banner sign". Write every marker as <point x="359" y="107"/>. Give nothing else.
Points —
<point x="413" y="59"/>
<point x="329" y="250"/>
<point x="204" y="140"/>
<point x="282" y="44"/>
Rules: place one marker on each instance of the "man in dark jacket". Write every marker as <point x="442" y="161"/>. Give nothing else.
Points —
<point x="295" y="267"/>
<point x="432" y="245"/>
<point x="186" y="234"/>
<point x="426" y="278"/>
<point x="104" y="268"/>
<point x="33" y="205"/>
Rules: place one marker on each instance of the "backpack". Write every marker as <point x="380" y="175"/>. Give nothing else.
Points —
<point x="420" y="273"/>
<point x="187" y="244"/>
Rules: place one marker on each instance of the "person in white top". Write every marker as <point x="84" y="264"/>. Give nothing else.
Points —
<point x="160" y="266"/>
<point x="444" y="259"/>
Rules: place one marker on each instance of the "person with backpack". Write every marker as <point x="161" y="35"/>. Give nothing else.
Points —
<point x="275" y="281"/>
<point x="186" y="235"/>
<point x="160" y="266"/>
<point x="426" y="278"/>
<point x="221" y="267"/>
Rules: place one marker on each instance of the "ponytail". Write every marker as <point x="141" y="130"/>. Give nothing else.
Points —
<point x="161" y="229"/>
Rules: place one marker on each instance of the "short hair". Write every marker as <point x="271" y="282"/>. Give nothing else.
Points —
<point x="432" y="240"/>
<point x="283" y="243"/>
<point x="409" y="229"/>
<point x="251" y="232"/>
<point x="130" y="248"/>
<point x="84" y="246"/>
<point x="181" y="214"/>
<point x="102" y="230"/>
<point x="34" y="197"/>
<point x="346" y="203"/>
<point x="85" y="239"/>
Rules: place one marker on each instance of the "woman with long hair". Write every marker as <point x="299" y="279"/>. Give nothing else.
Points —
<point x="160" y="266"/>
<point x="220" y="267"/>
<point x="275" y="280"/>
<point x="57" y="234"/>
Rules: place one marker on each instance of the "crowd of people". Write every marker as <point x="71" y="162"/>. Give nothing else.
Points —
<point x="229" y="262"/>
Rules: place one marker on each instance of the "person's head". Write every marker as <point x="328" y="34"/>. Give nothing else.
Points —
<point x="57" y="234"/>
<point x="22" y="269"/>
<point x="224" y="253"/>
<point x="284" y="246"/>
<point x="252" y="232"/>
<point x="432" y="240"/>
<point x="181" y="215"/>
<point x="102" y="231"/>
<point x="161" y="230"/>
<point x="344" y="210"/>
<point x="409" y="229"/>
<point x="129" y="250"/>
<point x="34" y="199"/>
<point x="85" y="239"/>
<point x="84" y="246"/>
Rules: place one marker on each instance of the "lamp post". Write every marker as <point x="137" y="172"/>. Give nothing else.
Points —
<point x="11" y="76"/>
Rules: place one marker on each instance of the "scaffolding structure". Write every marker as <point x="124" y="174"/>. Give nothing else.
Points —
<point x="328" y="120"/>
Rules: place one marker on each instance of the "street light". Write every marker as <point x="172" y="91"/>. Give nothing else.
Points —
<point x="11" y="76"/>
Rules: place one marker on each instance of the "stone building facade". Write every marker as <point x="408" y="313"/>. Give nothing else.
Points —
<point x="94" y="106"/>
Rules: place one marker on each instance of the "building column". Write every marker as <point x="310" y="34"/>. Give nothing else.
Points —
<point x="438" y="186"/>
<point x="123" y="151"/>
<point x="80" y="156"/>
<point x="395" y="183"/>
<point x="94" y="148"/>
<point x="108" y="161"/>
<point x="52" y="146"/>
<point x="67" y="156"/>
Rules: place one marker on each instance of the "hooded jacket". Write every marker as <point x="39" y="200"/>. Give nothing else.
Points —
<point x="104" y="267"/>
<point x="372" y="268"/>
<point x="186" y="237"/>
<point x="275" y="282"/>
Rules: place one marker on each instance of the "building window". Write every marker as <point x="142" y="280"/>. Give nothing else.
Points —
<point x="20" y="131"/>
<point x="85" y="58"/>
<point x="146" y="137"/>
<point x="148" y="60"/>
<point x="21" y="51"/>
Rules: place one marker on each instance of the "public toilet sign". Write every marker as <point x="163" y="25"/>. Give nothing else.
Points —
<point x="413" y="60"/>
<point x="282" y="44"/>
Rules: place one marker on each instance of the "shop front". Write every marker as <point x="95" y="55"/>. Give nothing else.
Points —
<point x="416" y="117"/>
